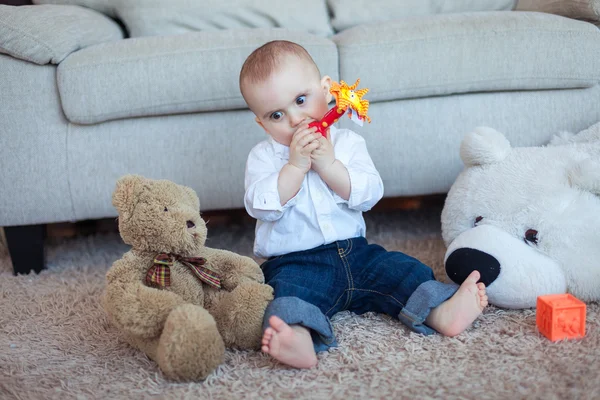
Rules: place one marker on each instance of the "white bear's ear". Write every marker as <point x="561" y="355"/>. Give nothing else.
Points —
<point x="484" y="146"/>
<point x="125" y="191"/>
<point x="586" y="176"/>
<point x="562" y="138"/>
<point x="589" y="135"/>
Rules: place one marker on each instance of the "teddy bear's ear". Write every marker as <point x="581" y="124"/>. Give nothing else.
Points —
<point x="586" y="176"/>
<point x="125" y="191"/>
<point x="484" y="146"/>
<point x="192" y="195"/>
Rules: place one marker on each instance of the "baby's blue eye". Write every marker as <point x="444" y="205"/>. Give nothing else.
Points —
<point x="301" y="100"/>
<point x="277" y="115"/>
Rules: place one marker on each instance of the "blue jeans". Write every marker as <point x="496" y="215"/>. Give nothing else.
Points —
<point x="311" y="286"/>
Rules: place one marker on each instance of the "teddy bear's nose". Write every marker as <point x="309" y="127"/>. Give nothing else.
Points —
<point x="190" y="224"/>
<point x="463" y="261"/>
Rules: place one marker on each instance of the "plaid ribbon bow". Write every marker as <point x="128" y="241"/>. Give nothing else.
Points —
<point x="159" y="275"/>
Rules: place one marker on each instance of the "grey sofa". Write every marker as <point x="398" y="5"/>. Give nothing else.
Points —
<point x="95" y="89"/>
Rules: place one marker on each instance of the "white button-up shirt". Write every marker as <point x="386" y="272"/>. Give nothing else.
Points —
<point x="316" y="215"/>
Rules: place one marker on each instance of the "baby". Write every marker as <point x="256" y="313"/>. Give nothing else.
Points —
<point x="307" y="193"/>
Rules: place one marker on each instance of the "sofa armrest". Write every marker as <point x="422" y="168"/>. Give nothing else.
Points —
<point x="585" y="10"/>
<point x="48" y="33"/>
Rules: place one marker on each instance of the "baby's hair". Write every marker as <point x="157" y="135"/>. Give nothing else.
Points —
<point x="261" y="63"/>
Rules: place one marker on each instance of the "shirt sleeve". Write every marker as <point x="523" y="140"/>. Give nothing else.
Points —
<point x="366" y="186"/>
<point x="261" y="198"/>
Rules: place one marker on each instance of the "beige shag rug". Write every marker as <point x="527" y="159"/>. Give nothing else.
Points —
<point x="56" y="343"/>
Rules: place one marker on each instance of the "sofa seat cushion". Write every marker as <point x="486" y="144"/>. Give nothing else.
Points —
<point x="470" y="52"/>
<point x="47" y="34"/>
<point x="186" y="73"/>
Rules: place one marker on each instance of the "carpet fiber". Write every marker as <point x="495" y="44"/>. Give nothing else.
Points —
<point x="56" y="343"/>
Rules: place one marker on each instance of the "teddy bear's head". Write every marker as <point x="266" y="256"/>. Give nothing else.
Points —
<point x="527" y="218"/>
<point x="159" y="216"/>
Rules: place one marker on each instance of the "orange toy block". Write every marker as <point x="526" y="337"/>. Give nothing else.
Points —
<point x="560" y="316"/>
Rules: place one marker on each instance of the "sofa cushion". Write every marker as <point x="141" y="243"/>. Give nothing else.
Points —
<point x="587" y="10"/>
<point x="47" y="34"/>
<point x="470" y="52"/>
<point x="159" y="17"/>
<point x="103" y="6"/>
<point x="349" y="13"/>
<point x="192" y="72"/>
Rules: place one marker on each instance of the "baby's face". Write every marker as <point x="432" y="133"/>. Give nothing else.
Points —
<point x="294" y="94"/>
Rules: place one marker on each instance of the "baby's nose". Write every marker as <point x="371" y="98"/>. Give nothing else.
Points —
<point x="297" y="120"/>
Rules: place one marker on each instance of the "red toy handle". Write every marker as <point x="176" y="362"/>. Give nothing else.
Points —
<point x="329" y="119"/>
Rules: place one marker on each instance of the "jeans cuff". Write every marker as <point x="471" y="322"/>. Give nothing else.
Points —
<point x="428" y="295"/>
<point x="415" y="323"/>
<point x="295" y="311"/>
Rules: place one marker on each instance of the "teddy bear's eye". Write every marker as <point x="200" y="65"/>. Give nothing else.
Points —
<point x="531" y="236"/>
<point x="166" y="209"/>
<point x="478" y="220"/>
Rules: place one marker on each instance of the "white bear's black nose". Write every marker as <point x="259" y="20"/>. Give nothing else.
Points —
<point x="190" y="224"/>
<point x="463" y="261"/>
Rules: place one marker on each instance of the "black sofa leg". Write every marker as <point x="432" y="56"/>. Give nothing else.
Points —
<point x="26" y="247"/>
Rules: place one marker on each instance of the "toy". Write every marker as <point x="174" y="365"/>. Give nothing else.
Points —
<point x="346" y="97"/>
<point x="527" y="218"/>
<point x="560" y="316"/>
<point x="179" y="302"/>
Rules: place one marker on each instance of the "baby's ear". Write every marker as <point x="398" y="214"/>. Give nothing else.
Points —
<point x="260" y="124"/>
<point x="123" y="198"/>
<point x="484" y="146"/>
<point x="326" y="85"/>
<point x="586" y="176"/>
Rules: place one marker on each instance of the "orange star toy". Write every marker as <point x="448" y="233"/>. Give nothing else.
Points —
<point x="346" y="98"/>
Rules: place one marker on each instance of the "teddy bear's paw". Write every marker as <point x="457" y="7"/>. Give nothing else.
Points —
<point x="252" y="271"/>
<point x="190" y="346"/>
<point x="240" y="313"/>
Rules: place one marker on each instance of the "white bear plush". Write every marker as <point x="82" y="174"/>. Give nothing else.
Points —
<point x="527" y="218"/>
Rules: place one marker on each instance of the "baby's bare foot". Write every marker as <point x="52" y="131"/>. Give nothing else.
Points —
<point x="291" y="345"/>
<point x="458" y="312"/>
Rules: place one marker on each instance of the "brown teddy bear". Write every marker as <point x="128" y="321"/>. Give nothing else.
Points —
<point x="178" y="301"/>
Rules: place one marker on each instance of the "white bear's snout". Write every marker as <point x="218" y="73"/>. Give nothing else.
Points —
<point x="462" y="261"/>
<point x="520" y="275"/>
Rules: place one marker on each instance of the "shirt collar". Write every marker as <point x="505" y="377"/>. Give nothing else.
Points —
<point x="283" y="151"/>
<point x="279" y="149"/>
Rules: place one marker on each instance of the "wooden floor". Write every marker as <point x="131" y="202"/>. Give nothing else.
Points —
<point x="89" y="227"/>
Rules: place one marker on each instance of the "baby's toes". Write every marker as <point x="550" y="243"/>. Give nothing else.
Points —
<point x="481" y="286"/>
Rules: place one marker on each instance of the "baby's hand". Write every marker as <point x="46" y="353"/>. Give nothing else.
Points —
<point x="304" y="141"/>
<point x="323" y="156"/>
